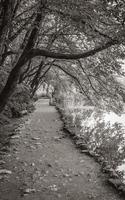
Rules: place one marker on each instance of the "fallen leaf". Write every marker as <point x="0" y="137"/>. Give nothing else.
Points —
<point x="5" y="171"/>
<point x="29" y="190"/>
<point x="66" y="175"/>
<point x="49" y="165"/>
<point x="35" y="138"/>
<point x="33" y="164"/>
<point x="38" y="143"/>
<point x="53" y="188"/>
<point x="2" y="162"/>
<point x="15" y="137"/>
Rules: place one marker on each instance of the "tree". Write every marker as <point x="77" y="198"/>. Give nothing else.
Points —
<point x="81" y="29"/>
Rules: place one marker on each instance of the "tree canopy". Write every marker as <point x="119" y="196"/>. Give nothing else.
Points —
<point x="84" y="39"/>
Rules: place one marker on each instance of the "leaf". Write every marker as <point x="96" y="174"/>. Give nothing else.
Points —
<point x="5" y="171"/>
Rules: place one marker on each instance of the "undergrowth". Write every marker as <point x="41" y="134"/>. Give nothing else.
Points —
<point x="100" y="136"/>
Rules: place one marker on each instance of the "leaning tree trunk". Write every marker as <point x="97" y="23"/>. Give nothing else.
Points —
<point x="16" y="71"/>
<point x="10" y="85"/>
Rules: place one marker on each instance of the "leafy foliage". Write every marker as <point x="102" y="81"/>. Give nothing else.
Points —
<point x="20" y="101"/>
<point x="77" y="41"/>
<point x="89" y="125"/>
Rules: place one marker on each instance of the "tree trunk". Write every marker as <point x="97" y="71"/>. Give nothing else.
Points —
<point x="6" y="13"/>
<point x="10" y="86"/>
<point x="16" y="71"/>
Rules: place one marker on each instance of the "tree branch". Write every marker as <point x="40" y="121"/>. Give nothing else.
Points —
<point x="91" y="84"/>
<point x="78" y="18"/>
<point x="41" y="52"/>
<point x="75" y="79"/>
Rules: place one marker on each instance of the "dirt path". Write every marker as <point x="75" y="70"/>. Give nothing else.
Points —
<point x="45" y="165"/>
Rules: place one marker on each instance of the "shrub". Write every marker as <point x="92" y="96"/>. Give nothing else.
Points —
<point x="19" y="101"/>
<point x="100" y="136"/>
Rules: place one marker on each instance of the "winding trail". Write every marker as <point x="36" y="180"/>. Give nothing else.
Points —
<point x="46" y="165"/>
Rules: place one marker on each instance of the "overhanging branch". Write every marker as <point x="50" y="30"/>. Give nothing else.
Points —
<point x="75" y="79"/>
<point x="50" y="54"/>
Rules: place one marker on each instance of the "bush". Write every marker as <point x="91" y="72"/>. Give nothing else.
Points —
<point x="106" y="140"/>
<point x="101" y="137"/>
<point x="19" y="102"/>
